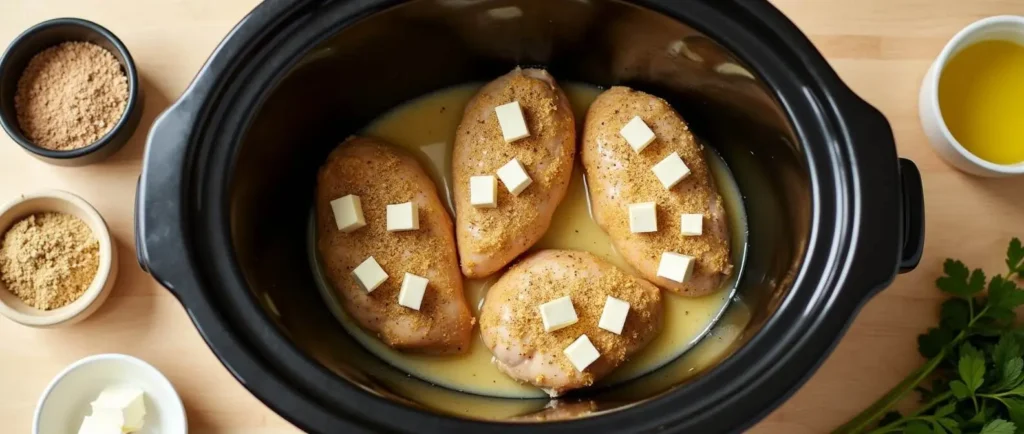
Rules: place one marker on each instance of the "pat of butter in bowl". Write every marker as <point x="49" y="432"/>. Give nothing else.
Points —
<point x="117" y="410"/>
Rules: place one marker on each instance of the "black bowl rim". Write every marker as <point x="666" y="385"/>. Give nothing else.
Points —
<point x="11" y="125"/>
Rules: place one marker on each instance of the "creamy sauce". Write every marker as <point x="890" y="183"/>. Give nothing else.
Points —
<point x="426" y="127"/>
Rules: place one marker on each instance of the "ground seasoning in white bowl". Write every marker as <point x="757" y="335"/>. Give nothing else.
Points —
<point x="70" y="95"/>
<point x="48" y="259"/>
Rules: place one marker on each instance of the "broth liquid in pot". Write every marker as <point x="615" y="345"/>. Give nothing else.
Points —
<point x="426" y="127"/>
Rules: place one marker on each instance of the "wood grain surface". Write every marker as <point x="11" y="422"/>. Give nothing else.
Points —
<point x="881" y="48"/>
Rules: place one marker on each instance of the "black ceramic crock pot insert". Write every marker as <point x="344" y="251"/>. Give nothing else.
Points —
<point x="848" y="213"/>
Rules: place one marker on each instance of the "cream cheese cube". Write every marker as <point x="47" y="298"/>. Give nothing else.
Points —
<point x="582" y="353"/>
<point x="558" y="314"/>
<point x="514" y="176"/>
<point x="691" y="225"/>
<point x="643" y="217"/>
<point x="613" y="317"/>
<point x="369" y="274"/>
<point x="483" y="191"/>
<point x="348" y="213"/>
<point x="637" y="134"/>
<point x="675" y="267"/>
<point x="671" y="170"/>
<point x="413" y="288"/>
<point x="512" y="121"/>
<point x="403" y="217"/>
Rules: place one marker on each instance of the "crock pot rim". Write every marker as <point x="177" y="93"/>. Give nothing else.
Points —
<point x="202" y="98"/>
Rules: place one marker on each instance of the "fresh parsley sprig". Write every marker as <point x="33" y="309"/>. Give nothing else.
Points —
<point x="975" y="360"/>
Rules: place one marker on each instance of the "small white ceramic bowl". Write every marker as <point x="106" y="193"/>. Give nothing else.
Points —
<point x="61" y="201"/>
<point x="66" y="400"/>
<point x="1004" y="27"/>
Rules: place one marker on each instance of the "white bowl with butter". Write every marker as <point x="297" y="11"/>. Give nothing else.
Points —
<point x="66" y="402"/>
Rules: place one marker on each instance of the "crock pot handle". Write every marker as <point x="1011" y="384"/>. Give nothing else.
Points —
<point x="159" y="198"/>
<point x="913" y="215"/>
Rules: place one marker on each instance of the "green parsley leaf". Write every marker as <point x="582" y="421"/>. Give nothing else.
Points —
<point x="945" y="410"/>
<point x="959" y="389"/>
<point x="1015" y="408"/>
<point x="917" y="428"/>
<point x="950" y="425"/>
<point x="1005" y="350"/>
<point x="1004" y="294"/>
<point x="971" y="367"/>
<point x="960" y="281"/>
<point x="1010" y="374"/>
<point x="1015" y="258"/>
<point x="999" y="426"/>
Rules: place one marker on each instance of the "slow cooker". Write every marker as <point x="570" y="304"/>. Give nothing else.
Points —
<point x="229" y="177"/>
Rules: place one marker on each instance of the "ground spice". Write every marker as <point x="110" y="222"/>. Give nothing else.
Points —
<point x="49" y="259"/>
<point x="70" y="95"/>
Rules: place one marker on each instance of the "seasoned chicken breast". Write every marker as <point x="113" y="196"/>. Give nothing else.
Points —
<point x="381" y="175"/>
<point x="490" y="238"/>
<point x="512" y="328"/>
<point x="617" y="177"/>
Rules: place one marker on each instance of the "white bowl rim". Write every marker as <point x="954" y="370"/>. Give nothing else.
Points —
<point x="98" y="284"/>
<point x="933" y="92"/>
<point x="160" y="377"/>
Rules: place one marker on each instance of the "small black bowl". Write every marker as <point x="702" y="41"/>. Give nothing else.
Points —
<point x="45" y="35"/>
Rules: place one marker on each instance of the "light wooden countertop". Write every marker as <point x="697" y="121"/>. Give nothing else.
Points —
<point x="881" y="48"/>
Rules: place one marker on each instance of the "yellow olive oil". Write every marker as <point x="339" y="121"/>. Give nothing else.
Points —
<point x="981" y="96"/>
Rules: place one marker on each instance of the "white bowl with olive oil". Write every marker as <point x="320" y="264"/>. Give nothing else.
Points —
<point x="972" y="99"/>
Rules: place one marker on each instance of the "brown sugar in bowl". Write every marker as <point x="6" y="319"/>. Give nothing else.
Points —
<point x="49" y="34"/>
<point x="24" y="206"/>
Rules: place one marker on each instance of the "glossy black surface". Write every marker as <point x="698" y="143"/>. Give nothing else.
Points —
<point x="45" y="35"/>
<point x="228" y="180"/>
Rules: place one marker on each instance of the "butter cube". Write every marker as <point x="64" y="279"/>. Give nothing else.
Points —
<point x="369" y="274"/>
<point x="671" y="170"/>
<point x="675" y="267"/>
<point x="691" y="224"/>
<point x="103" y="423"/>
<point x="613" y="317"/>
<point x="122" y="406"/>
<point x="514" y="176"/>
<point x="643" y="217"/>
<point x="413" y="288"/>
<point x="637" y="134"/>
<point x="582" y="353"/>
<point x="483" y="191"/>
<point x="512" y="122"/>
<point x="348" y="213"/>
<point x="558" y="314"/>
<point x="403" y="217"/>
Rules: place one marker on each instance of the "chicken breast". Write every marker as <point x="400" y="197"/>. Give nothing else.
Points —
<point x="490" y="238"/>
<point x="381" y="175"/>
<point x="617" y="177"/>
<point x="513" y="330"/>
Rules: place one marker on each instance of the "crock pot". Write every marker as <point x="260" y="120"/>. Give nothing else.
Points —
<point x="229" y="174"/>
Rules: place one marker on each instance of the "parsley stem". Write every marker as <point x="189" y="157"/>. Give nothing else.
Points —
<point x="860" y="422"/>
<point x="895" y="395"/>
<point x="935" y="401"/>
